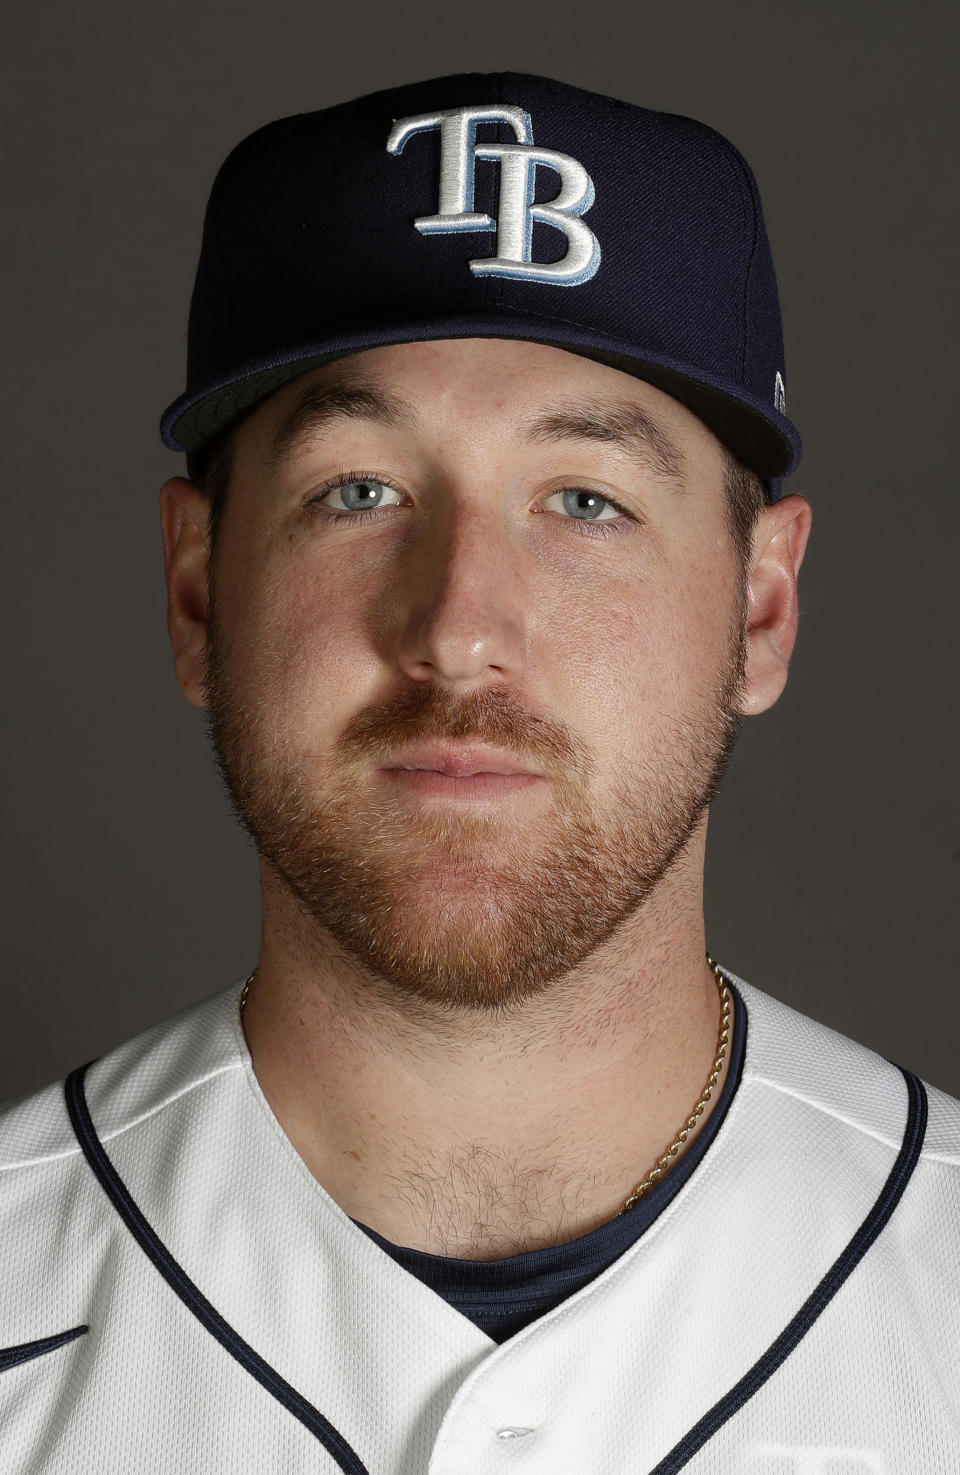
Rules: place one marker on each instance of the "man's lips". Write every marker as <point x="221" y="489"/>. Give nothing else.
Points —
<point x="472" y="786"/>
<point x="463" y="762"/>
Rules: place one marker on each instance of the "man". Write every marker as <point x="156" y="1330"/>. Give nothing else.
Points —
<point x="482" y="558"/>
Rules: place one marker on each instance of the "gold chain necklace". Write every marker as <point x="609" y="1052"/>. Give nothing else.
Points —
<point x="723" y="1038"/>
<point x="663" y="1163"/>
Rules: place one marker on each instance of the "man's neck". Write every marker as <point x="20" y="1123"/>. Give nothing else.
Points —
<point x="480" y="1138"/>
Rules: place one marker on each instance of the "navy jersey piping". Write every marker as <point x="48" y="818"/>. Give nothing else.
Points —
<point x="798" y="1326"/>
<point x="682" y="1452"/>
<point x="13" y="1356"/>
<point x="176" y="1277"/>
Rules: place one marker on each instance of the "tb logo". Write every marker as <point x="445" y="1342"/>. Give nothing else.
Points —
<point x="516" y="211"/>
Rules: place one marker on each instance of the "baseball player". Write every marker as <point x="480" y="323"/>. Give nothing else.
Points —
<point x="488" y="1166"/>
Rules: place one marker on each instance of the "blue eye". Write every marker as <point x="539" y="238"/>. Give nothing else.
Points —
<point x="582" y="499"/>
<point x="358" y="494"/>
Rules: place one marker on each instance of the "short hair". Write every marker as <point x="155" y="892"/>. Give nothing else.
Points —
<point x="747" y="493"/>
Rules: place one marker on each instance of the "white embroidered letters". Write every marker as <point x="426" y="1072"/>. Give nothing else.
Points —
<point x="516" y="211"/>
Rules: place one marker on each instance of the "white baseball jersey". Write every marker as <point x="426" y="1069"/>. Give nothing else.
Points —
<point x="179" y="1294"/>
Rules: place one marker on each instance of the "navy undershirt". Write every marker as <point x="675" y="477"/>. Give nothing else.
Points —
<point x="502" y="1296"/>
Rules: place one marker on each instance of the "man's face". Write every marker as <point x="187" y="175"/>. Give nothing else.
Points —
<point x="421" y="544"/>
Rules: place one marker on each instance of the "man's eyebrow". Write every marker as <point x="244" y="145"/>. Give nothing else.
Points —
<point x="622" y="424"/>
<point x="320" y="404"/>
<point x="628" y="425"/>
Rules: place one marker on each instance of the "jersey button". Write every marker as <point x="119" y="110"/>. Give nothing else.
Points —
<point x="514" y="1432"/>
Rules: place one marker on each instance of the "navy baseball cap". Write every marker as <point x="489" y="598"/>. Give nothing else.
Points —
<point x="499" y="205"/>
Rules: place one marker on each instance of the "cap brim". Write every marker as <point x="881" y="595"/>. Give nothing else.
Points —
<point x="756" y="432"/>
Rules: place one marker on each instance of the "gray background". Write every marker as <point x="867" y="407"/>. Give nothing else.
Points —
<point x="128" y="890"/>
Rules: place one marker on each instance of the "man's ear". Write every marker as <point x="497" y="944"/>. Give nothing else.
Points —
<point x="779" y="543"/>
<point x="185" y="520"/>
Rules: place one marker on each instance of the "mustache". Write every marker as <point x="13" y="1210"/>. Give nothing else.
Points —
<point x="429" y="714"/>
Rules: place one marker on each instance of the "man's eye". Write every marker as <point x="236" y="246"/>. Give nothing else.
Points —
<point x="577" y="500"/>
<point x="359" y="494"/>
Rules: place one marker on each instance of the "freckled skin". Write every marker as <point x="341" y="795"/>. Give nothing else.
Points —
<point x="498" y="974"/>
